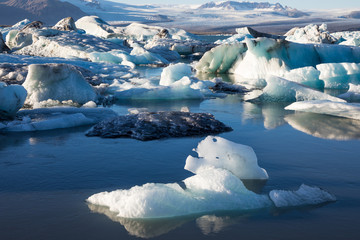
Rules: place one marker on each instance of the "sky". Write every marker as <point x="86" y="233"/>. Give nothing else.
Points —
<point x="300" y="4"/>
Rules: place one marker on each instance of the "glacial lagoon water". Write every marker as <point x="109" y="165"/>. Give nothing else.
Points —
<point x="45" y="177"/>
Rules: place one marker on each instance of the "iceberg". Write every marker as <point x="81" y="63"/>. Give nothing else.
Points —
<point x="282" y="90"/>
<point x="66" y="24"/>
<point x="155" y="125"/>
<point x="95" y="26"/>
<point x="218" y="152"/>
<point x="60" y="82"/>
<point x="3" y="47"/>
<point x="42" y="119"/>
<point x="12" y="98"/>
<point x="305" y="195"/>
<point x="339" y="109"/>
<point x="339" y="75"/>
<point x="173" y="73"/>
<point x="212" y="189"/>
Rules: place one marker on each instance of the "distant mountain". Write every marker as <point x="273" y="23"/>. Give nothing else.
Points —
<point x="47" y="11"/>
<point x="276" y="8"/>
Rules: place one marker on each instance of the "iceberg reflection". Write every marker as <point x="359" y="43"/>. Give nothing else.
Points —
<point x="323" y="126"/>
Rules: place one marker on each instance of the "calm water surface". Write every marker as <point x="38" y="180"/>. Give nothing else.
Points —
<point x="45" y="177"/>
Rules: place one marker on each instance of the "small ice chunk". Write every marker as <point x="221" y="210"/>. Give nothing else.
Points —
<point x="352" y="95"/>
<point x="305" y="195"/>
<point x="220" y="153"/>
<point x="12" y="98"/>
<point x="339" y="109"/>
<point x="174" y="73"/>
<point x="90" y="104"/>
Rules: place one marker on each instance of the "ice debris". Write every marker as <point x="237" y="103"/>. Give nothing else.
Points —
<point x="213" y="188"/>
<point x="155" y="125"/>
<point x="305" y="195"/>
<point x="339" y="109"/>
<point x="12" y="98"/>
<point x="311" y="34"/>
<point x="61" y="82"/>
<point x="66" y="24"/>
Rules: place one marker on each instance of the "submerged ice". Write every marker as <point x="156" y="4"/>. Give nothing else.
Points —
<point x="215" y="187"/>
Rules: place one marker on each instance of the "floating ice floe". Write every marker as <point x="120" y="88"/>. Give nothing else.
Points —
<point x="213" y="188"/>
<point x="61" y="82"/>
<point x="282" y="90"/>
<point x="156" y="125"/>
<point x="339" y="109"/>
<point x="55" y="118"/>
<point x="352" y="95"/>
<point x="311" y="34"/>
<point x="12" y="99"/>
<point x="305" y="195"/>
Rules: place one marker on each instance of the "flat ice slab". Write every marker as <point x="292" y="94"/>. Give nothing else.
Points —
<point x="339" y="109"/>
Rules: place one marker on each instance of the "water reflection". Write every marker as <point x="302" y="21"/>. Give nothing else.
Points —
<point x="324" y="126"/>
<point x="143" y="228"/>
<point x="272" y="114"/>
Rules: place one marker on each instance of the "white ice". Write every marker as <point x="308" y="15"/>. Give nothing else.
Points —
<point x="305" y="195"/>
<point x="213" y="188"/>
<point x="95" y="26"/>
<point x="59" y="82"/>
<point x="339" y="75"/>
<point x="311" y="33"/>
<point x="12" y="98"/>
<point x="339" y="109"/>
<point x="218" y="152"/>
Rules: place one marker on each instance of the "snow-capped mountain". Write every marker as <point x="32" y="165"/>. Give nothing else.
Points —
<point x="276" y="8"/>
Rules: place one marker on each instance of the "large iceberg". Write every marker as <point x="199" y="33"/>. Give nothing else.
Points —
<point x="59" y="82"/>
<point x="339" y="109"/>
<point x="213" y="188"/>
<point x="12" y="99"/>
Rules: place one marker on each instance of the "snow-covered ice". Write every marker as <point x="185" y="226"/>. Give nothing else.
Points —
<point x="12" y="98"/>
<point x="218" y="152"/>
<point x="212" y="189"/>
<point x="59" y="82"/>
<point x="311" y="33"/>
<point x="95" y="26"/>
<point x="339" y="109"/>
